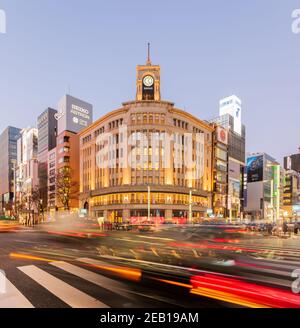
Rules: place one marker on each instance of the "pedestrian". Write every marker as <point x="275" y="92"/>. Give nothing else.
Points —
<point x="285" y="228"/>
<point x="296" y="228"/>
<point x="269" y="228"/>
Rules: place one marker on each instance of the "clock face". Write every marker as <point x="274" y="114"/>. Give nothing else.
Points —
<point x="148" y="81"/>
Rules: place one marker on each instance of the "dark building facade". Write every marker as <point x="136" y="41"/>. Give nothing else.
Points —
<point x="220" y="172"/>
<point x="292" y="162"/>
<point x="236" y="150"/>
<point x="47" y="132"/>
<point x="291" y="188"/>
<point x="8" y="159"/>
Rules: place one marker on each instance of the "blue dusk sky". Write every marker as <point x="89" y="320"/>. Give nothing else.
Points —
<point x="207" y="50"/>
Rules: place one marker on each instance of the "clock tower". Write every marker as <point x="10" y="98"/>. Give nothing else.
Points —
<point x="148" y="81"/>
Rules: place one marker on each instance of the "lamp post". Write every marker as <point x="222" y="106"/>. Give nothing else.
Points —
<point x="190" y="207"/>
<point x="272" y="201"/>
<point x="149" y="203"/>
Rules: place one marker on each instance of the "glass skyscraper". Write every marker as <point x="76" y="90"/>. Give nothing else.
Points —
<point x="8" y="158"/>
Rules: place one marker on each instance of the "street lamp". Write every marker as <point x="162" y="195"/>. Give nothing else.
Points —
<point x="190" y="205"/>
<point x="149" y="203"/>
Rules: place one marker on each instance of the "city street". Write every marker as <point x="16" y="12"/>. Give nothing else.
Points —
<point x="56" y="286"/>
<point x="78" y="267"/>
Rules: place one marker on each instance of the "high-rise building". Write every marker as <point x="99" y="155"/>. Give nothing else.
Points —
<point x="67" y="166"/>
<point x="292" y="162"/>
<point x="220" y="172"/>
<point x="291" y="195"/>
<point x="230" y="113"/>
<point x="264" y="193"/>
<point x="153" y="160"/>
<point x="52" y="165"/>
<point x="233" y="106"/>
<point x="27" y="167"/>
<point x="8" y="159"/>
<point x="47" y="133"/>
<point x="73" y="116"/>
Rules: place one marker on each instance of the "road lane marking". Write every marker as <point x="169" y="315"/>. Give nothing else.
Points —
<point x="13" y="298"/>
<point x="133" y="274"/>
<point x="98" y="262"/>
<point x="65" y="292"/>
<point x="93" y="277"/>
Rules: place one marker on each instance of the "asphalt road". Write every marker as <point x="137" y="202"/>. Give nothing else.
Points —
<point x="60" y="268"/>
<point x="24" y="254"/>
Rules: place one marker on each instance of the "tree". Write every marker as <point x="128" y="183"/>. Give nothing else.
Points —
<point x="66" y="188"/>
<point x="38" y="198"/>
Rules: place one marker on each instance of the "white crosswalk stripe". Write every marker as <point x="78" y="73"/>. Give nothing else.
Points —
<point x="65" y="292"/>
<point x="13" y="298"/>
<point x="97" y="279"/>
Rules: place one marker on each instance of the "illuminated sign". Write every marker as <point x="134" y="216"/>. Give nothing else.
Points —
<point x="222" y="135"/>
<point x="233" y="106"/>
<point x="73" y="114"/>
<point x="296" y="208"/>
<point x="255" y="168"/>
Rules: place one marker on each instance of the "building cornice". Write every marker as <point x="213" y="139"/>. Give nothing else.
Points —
<point x="145" y="103"/>
<point x="193" y="118"/>
<point x="103" y="119"/>
<point x="144" y="188"/>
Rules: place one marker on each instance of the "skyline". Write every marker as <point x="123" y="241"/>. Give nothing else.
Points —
<point x="149" y="159"/>
<point x="115" y="41"/>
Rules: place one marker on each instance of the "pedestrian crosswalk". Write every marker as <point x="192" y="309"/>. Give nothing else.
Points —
<point x="92" y="277"/>
<point x="12" y="298"/>
<point x="80" y="284"/>
<point x="68" y="294"/>
<point x="63" y="289"/>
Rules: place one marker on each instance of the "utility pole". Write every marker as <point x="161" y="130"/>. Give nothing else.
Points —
<point x="149" y="203"/>
<point x="190" y="207"/>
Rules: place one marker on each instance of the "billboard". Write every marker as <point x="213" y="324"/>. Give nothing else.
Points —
<point x="255" y="168"/>
<point x="222" y="135"/>
<point x="73" y="114"/>
<point x="234" y="170"/>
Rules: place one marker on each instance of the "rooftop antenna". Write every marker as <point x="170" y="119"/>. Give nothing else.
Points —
<point x="149" y="60"/>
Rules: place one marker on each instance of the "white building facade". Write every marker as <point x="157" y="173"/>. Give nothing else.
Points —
<point x="27" y="164"/>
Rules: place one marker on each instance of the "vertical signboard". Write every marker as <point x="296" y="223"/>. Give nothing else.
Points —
<point x="255" y="168"/>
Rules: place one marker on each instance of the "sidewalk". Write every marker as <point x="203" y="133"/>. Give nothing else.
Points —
<point x="8" y="225"/>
